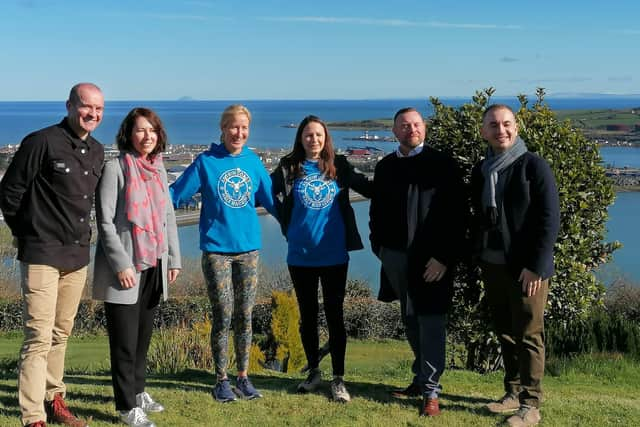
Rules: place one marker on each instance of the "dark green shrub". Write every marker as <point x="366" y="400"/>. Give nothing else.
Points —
<point x="623" y="299"/>
<point x="357" y="289"/>
<point x="10" y="314"/>
<point x="600" y="332"/>
<point x="585" y="193"/>
<point x="366" y="318"/>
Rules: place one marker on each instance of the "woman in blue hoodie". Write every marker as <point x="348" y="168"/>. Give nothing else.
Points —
<point x="232" y="181"/>
<point x="311" y="186"/>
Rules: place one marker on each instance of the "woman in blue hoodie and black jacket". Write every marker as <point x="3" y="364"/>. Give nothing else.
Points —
<point x="311" y="187"/>
<point x="232" y="181"/>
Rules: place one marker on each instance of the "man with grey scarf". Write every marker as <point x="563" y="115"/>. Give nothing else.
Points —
<point x="516" y="224"/>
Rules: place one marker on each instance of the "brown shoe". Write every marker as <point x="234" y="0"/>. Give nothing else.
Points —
<point x="507" y="404"/>
<point x="430" y="407"/>
<point x="525" y="417"/>
<point x="37" y="424"/>
<point x="58" y="412"/>
<point x="412" y="390"/>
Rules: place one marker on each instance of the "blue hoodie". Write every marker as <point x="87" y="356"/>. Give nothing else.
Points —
<point x="230" y="185"/>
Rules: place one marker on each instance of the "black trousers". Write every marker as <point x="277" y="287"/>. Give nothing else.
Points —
<point x="130" y="327"/>
<point x="333" y="279"/>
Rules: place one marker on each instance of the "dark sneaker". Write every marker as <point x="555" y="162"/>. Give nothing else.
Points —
<point x="147" y="404"/>
<point x="136" y="418"/>
<point x="507" y="404"/>
<point x="430" y="407"/>
<point x="312" y="382"/>
<point x="37" y="424"/>
<point x="245" y="389"/>
<point x="222" y="391"/>
<point x="412" y="390"/>
<point x="339" y="391"/>
<point x="525" y="417"/>
<point x="57" y="412"/>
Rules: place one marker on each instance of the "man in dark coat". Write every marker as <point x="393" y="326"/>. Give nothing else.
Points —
<point x="417" y="229"/>
<point x="516" y="226"/>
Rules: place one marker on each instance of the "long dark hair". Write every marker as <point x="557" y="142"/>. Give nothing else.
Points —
<point x="294" y="160"/>
<point x="123" y="138"/>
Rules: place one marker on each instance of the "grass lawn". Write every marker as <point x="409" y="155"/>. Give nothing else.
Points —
<point x="593" y="390"/>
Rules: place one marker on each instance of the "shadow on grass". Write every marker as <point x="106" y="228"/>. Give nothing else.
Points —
<point x="95" y="414"/>
<point x="193" y="380"/>
<point x="472" y="400"/>
<point x="89" y="379"/>
<point x="201" y="381"/>
<point x="9" y="401"/>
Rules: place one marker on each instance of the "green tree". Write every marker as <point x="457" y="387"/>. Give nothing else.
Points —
<point x="585" y="194"/>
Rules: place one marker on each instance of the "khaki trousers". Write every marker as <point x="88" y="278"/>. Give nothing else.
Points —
<point x="50" y="304"/>
<point x="519" y="324"/>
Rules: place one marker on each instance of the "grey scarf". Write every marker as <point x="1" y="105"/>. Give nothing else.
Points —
<point x="493" y="164"/>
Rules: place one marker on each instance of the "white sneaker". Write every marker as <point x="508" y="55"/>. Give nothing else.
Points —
<point x="339" y="390"/>
<point x="144" y="401"/>
<point x="136" y="418"/>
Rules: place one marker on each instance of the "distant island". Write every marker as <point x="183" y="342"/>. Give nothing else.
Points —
<point x="363" y="125"/>
<point x="186" y="98"/>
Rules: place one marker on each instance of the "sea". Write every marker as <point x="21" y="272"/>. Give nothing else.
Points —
<point x="196" y="122"/>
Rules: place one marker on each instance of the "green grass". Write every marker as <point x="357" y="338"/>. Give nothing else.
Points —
<point x="591" y="390"/>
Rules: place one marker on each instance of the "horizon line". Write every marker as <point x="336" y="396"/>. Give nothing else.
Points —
<point x="189" y="99"/>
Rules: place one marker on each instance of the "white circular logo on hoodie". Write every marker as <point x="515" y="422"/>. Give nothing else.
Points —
<point x="234" y="188"/>
<point x="316" y="192"/>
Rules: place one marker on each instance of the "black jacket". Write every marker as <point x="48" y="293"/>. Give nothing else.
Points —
<point x="47" y="193"/>
<point x="433" y="181"/>
<point x="532" y="211"/>
<point x="347" y="178"/>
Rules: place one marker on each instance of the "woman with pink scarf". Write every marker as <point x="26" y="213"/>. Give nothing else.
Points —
<point x="137" y="256"/>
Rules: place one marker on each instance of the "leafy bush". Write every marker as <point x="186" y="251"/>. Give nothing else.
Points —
<point x="600" y="332"/>
<point x="170" y="351"/>
<point x="284" y="344"/>
<point x="623" y="299"/>
<point x="357" y="289"/>
<point x="367" y="318"/>
<point x="174" y="350"/>
<point x="585" y="193"/>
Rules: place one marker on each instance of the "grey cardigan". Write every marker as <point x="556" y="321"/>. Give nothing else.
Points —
<point x="114" y="251"/>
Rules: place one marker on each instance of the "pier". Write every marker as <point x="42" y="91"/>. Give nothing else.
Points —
<point x="192" y="216"/>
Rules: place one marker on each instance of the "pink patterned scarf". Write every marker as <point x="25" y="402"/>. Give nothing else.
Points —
<point x="145" y="204"/>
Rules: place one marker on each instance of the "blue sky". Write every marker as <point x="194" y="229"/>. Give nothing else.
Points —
<point x="220" y="49"/>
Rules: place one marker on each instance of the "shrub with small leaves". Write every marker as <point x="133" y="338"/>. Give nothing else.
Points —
<point x="285" y="345"/>
<point x="585" y="194"/>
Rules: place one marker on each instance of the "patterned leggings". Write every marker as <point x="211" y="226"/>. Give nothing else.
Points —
<point x="232" y="280"/>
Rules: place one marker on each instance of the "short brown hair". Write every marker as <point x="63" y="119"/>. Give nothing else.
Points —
<point x="402" y="111"/>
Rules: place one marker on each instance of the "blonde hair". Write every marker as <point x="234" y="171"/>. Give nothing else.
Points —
<point x="231" y="111"/>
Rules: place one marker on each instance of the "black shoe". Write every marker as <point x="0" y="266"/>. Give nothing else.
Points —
<point x="412" y="390"/>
